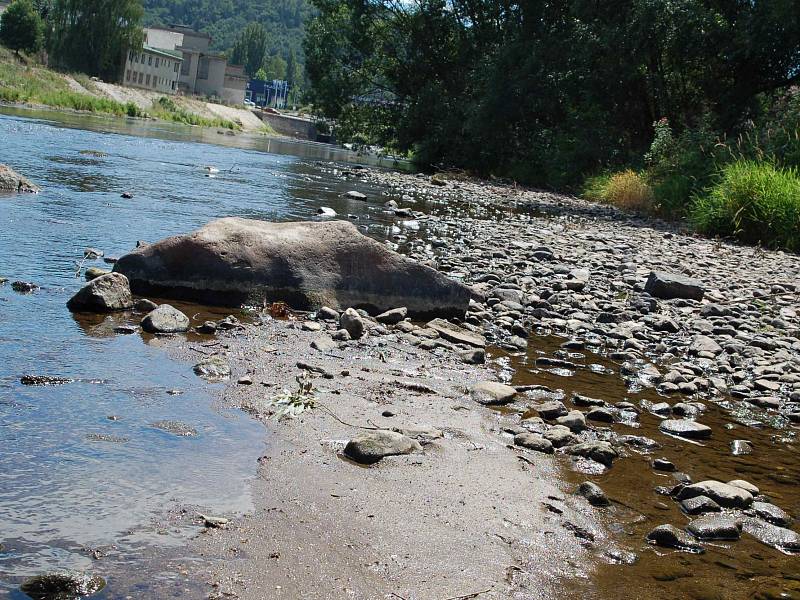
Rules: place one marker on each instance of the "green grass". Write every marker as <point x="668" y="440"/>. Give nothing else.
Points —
<point x="166" y="108"/>
<point x="753" y="202"/>
<point x="595" y="188"/>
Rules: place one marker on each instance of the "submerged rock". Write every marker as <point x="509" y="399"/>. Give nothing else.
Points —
<point x="369" y="448"/>
<point x="11" y="181"/>
<point x="308" y="265"/>
<point x="106" y="293"/>
<point x="593" y="494"/>
<point x="62" y="586"/>
<point x="715" y="527"/>
<point x="668" y="536"/>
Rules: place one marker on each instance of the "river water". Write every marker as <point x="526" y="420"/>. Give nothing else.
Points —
<point x="83" y="468"/>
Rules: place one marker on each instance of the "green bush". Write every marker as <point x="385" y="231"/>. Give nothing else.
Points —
<point x="754" y="203"/>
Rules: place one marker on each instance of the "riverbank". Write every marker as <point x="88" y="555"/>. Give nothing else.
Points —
<point x="25" y="83"/>
<point x="604" y="371"/>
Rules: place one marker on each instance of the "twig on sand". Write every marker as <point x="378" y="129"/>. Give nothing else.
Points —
<point x="334" y="415"/>
<point x="203" y="352"/>
<point x="468" y="596"/>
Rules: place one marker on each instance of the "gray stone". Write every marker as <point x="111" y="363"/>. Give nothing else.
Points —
<point x="534" y="441"/>
<point x="771" y="513"/>
<point x="699" y="505"/>
<point x="686" y="428"/>
<point x="704" y="344"/>
<point x="235" y="261"/>
<point x="492" y="393"/>
<point x="746" y="486"/>
<point x="559" y="436"/>
<point x="781" y="538"/>
<point x="457" y="335"/>
<point x="326" y="313"/>
<point x="593" y="493"/>
<point x="476" y="356"/>
<point x="354" y="195"/>
<point x="93" y="273"/>
<point x="213" y="368"/>
<point x="668" y="536"/>
<point x="10" y="181"/>
<point x="393" y="316"/>
<point x="601" y="414"/>
<point x="165" y="319"/>
<point x="352" y="322"/>
<point x="574" y="420"/>
<point x="602" y="452"/>
<point x="715" y="527"/>
<point x="725" y="495"/>
<point x="106" y="293"/>
<point x="370" y="447"/>
<point x="551" y="410"/>
<point x="672" y="285"/>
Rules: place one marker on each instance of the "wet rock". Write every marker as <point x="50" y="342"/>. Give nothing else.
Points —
<point x="715" y="527"/>
<point x="207" y="328"/>
<point x="559" y="436"/>
<point x="686" y="428"/>
<point x="672" y="285"/>
<point x="11" y="181"/>
<point x="213" y="368"/>
<point x="93" y="273"/>
<point x="393" y="316"/>
<point x="699" y="505"/>
<point x="551" y="410"/>
<point x="746" y="486"/>
<point x="579" y="400"/>
<point x="35" y="380"/>
<point x="476" y="356"/>
<point x="725" y="495"/>
<point x="741" y="447"/>
<point x="574" y="420"/>
<point x="176" y="428"/>
<point x="771" y="513"/>
<point x="602" y="452"/>
<point x="326" y="211"/>
<point x="127" y="195"/>
<point x="126" y="329"/>
<point x="143" y="305"/>
<point x="456" y="334"/>
<point x="668" y="536"/>
<point x="107" y="293"/>
<point x="165" y="319"/>
<point x="354" y="195"/>
<point x="491" y="393"/>
<point x="534" y="441"/>
<point x="368" y="448"/>
<point x="307" y="264"/>
<point x="781" y="538"/>
<point x="601" y="414"/>
<point x="352" y="323"/>
<point x="67" y="585"/>
<point x="593" y="493"/>
<point x="92" y="253"/>
<point x="662" y="464"/>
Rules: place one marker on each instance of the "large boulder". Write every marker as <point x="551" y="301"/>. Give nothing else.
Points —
<point x="310" y="264"/>
<point x="10" y="181"/>
<point x="370" y="447"/>
<point x="727" y="496"/>
<point x="672" y="285"/>
<point x="106" y="293"/>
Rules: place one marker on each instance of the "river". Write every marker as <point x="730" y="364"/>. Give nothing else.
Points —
<point x="83" y="470"/>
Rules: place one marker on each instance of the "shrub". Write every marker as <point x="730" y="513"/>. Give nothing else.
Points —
<point x="594" y="188"/>
<point x="630" y="191"/>
<point x="21" y="28"/>
<point x="753" y="202"/>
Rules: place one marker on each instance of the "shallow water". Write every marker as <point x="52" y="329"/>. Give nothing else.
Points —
<point x="728" y="570"/>
<point x="82" y="467"/>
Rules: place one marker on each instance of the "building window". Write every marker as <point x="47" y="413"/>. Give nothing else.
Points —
<point x="187" y="64"/>
<point x="141" y="76"/>
<point x="130" y="55"/>
<point x="150" y="61"/>
<point x="173" y="86"/>
<point x="128" y="75"/>
<point x="202" y="69"/>
<point x="176" y="67"/>
<point x="147" y="80"/>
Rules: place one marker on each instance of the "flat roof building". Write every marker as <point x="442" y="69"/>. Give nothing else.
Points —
<point x="153" y="69"/>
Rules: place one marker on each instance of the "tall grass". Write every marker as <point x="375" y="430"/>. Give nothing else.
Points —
<point x="627" y="190"/>
<point x="754" y="202"/>
<point x="165" y="108"/>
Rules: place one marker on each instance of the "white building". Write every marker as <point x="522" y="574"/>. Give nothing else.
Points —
<point x="153" y="69"/>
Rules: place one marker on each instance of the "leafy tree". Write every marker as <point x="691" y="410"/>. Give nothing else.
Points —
<point x="275" y="68"/>
<point x="21" y="28"/>
<point x="294" y="71"/>
<point x="93" y="36"/>
<point x="261" y="75"/>
<point x="250" y="49"/>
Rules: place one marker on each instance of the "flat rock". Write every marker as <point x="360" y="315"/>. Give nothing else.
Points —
<point x="686" y="428"/>
<point x="771" y="513"/>
<point x="668" y="286"/>
<point x="602" y="452"/>
<point x="393" y="316"/>
<point x="699" y="505"/>
<point x="551" y="410"/>
<point x="781" y="538"/>
<point x="727" y="496"/>
<point x="492" y="393"/>
<point x="534" y="441"/>
<point x="715" y="527"/>
<point x="213" y="368"/>
<point x="106" y="293"/>
<point x="165" y="319"/>
<point x="236" y="261"/>
<point x="668" y="536"/>
<point x="593" y="493"/>
<point x="368" y="448"/>
<point x="457" y="335"/>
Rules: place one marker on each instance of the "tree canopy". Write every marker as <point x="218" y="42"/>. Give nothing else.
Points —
<point x="21" y="28"/>
<point x="543" y="90"/>
<point x="92" y="36"/>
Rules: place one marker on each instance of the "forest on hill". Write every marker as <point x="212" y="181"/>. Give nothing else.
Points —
<point x="224" y="20"/>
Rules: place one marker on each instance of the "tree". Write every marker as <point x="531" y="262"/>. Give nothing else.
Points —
<point x="261" y="75"/>
<point x="21" y="28"/>
<point x="93" y="36"/>
<point x="250" y="49"/>
<point x="275" y="68"/>
<point x="294" y="71"/>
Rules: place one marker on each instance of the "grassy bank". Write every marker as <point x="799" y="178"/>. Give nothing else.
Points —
<point x="23" y="81"/>
<point x="745" y="189"/>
